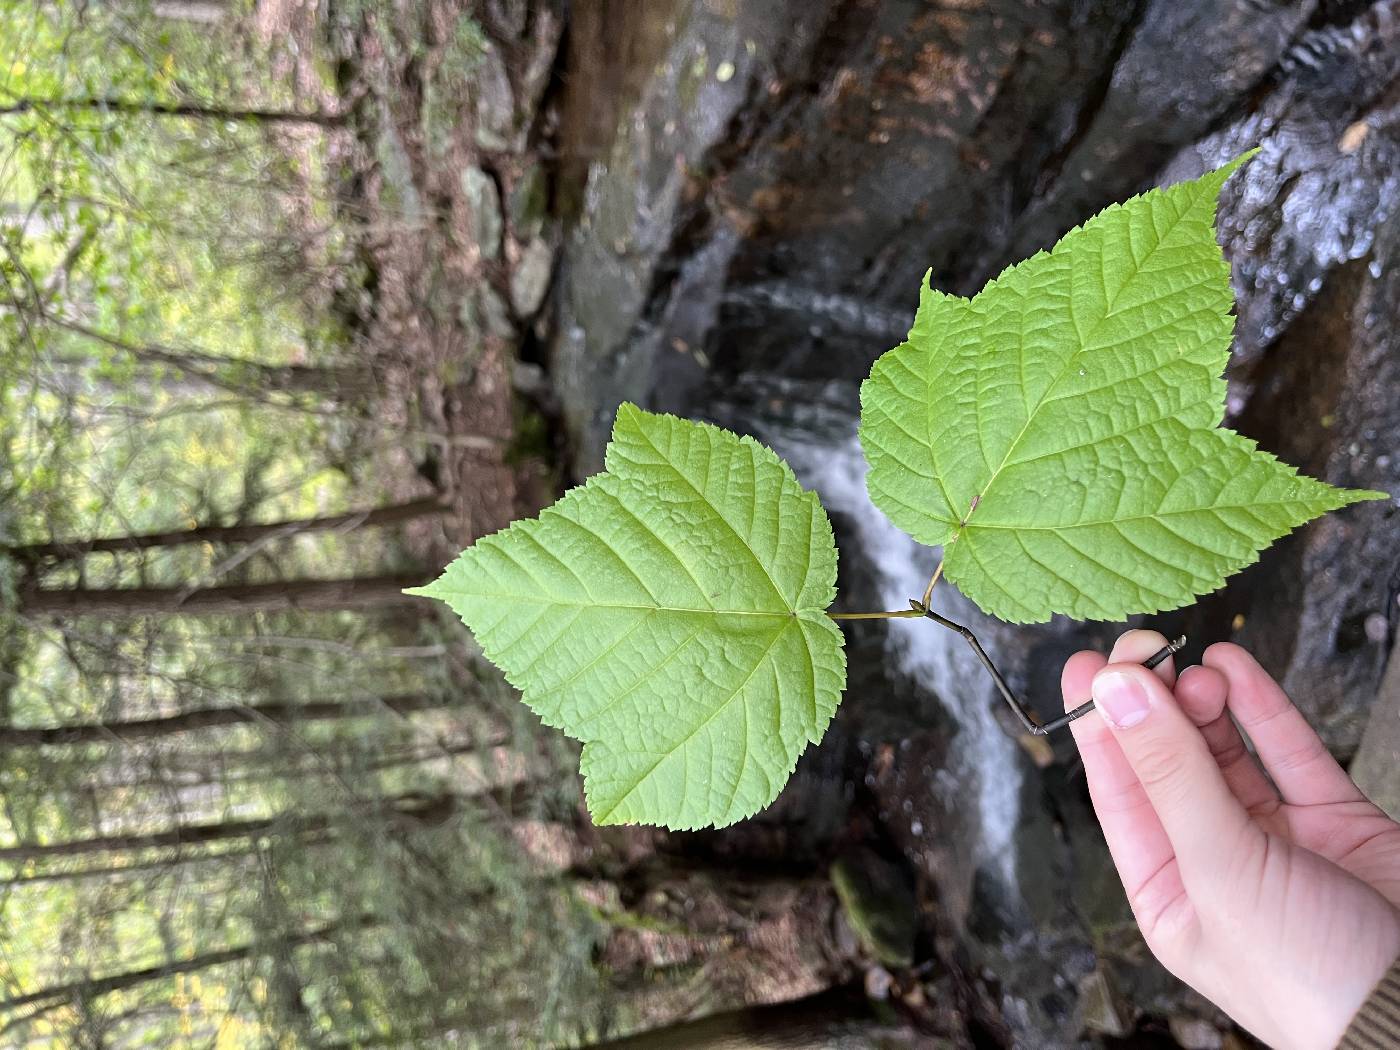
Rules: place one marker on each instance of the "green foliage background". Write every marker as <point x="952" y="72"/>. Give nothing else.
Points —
<point x="178" y="347"/>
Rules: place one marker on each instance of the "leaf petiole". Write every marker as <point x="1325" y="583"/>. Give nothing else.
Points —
<point x="891" y="615"/>
<point x="928" y="591"/>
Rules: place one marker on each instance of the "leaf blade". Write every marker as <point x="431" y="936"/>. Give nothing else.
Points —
<point x="1081" y="391"/>
<point x="661" y="613"/>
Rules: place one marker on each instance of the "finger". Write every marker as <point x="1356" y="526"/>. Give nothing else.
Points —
<point x="1202" y="692"/>
<point x="1305" y="773"/>
<point x="1135" y="647"/>
<point x="1078" y="676"/>
<point x="1136" y="840"/>
<point x="1203" y="820"/>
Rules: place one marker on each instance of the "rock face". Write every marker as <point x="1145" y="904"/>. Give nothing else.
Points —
<point x="750" y="237"/>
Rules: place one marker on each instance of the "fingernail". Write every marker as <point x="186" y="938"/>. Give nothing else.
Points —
<point x="1121" y="699"/>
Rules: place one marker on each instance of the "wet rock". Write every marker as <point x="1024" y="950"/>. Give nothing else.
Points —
<point x="1376" y="767"/>
<point x="643" y="194"/>
<point x="879" y="905"/>
<point x="1105" y="1011"/>
<point x="495" y="103"/>
<point x="751" y="239"/>
<point x="1193" y="1034"/>
<point x="485" y="311"/>
<point x="485" y="205"/>
<point x="1322" y="399"/>
<point x="529" y="203"/>
<point x="1324" y="183"/>
<point x="530" y="279"/>
<point x="1178" y="69"/>
<point x="400" y="192"/>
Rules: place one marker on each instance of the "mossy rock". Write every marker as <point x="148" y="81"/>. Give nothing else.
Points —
<point x="879" y="904"/>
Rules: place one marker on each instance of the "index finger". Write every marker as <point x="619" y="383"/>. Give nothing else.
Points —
<point x="1138" y="843"/>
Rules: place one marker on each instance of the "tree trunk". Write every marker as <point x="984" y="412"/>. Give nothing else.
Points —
<point x="251" y="379"/>
<point x="206" y="12"/>
<point x="195" y="769"/>
<point x="391" y="515"/>
<point x="427" y="808"/>
<point x="137" y="107"/>
<point x="280" y="713"/>
<point x="50" y="998"/>
<point x="130" y="870"/>
<point x="295" y="595"/>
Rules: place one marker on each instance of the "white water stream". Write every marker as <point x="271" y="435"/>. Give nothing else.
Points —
<point x="984" y="759"/>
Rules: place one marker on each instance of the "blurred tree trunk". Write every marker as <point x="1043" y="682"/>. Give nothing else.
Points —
<point x="283" y="713"/>
<point x="51" y="998"/>
<point x="422" y="808"/>
<point x="253" y="379"/>
<point x="98" y="871"/>
<point x="197" y="768"/>
<point x="394" y="514"/>
<point x="138" y="107"/>
<point x="207" y="12"/>
<point x="366" y="592"/>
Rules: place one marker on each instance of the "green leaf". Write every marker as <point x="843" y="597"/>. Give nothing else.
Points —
<point x="1059" y="434"/>
<point x="670" y="614"/>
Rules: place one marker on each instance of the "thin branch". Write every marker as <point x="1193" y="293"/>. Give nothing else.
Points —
<point x="106" y="104"/>
<point x="1023" y="713"/>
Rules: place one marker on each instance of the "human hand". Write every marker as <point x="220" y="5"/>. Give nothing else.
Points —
<point x="1277" y="901"/>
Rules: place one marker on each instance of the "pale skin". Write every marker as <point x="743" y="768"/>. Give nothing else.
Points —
<point x="1275" y="896"/>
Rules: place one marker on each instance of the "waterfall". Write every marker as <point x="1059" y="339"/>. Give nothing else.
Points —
<point x="983" y="757"/>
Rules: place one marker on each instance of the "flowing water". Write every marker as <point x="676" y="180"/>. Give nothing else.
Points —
<point x="984" y="762"/>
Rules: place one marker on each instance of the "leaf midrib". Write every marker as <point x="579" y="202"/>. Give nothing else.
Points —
<point x="705" y="499"/>
<point x="524" y="599"/>
<point x="723" y="706"/>
<point x="1153" y="516"/>
<point x="1084" y="340"/>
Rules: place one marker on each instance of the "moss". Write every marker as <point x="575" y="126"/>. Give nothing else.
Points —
<point x="531" y="439"/>
<point x="879" y="904"/>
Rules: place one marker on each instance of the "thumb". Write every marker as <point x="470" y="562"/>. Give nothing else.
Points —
<point x="1204" y="821"/>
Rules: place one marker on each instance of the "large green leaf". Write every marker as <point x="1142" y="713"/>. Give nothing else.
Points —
<point x="1059" y="432"/>
<point x="670" y="613"/>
